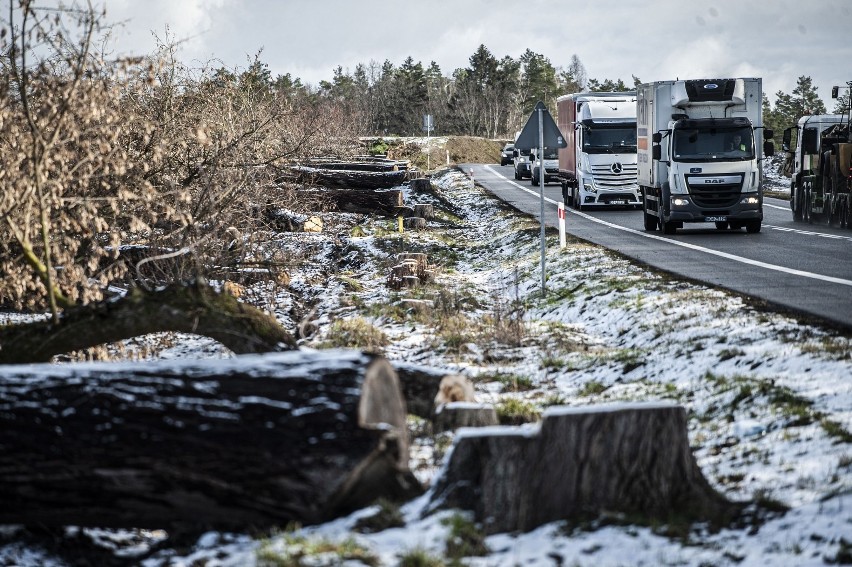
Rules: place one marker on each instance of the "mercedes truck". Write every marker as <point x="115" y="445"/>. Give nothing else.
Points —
<point x="699" y="147"/>
<point x="598" y="166"/>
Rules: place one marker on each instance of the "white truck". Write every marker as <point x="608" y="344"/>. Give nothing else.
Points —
<point x="598" y="166"/>
<point x="699" y="150"/>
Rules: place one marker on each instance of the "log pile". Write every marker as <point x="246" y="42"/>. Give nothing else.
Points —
<point x="631" y="459"/>
<point x="254" y="441"/>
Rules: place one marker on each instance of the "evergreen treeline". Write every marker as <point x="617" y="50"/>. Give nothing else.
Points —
<point x="491" y="97"/>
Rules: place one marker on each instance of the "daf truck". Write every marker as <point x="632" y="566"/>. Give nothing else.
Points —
<point x="598" y="166"/>
<point x="819" y="169"/>
<point x="699" y="147"/>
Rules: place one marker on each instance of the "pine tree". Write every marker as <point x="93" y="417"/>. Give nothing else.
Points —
<point x="790" y="107"/>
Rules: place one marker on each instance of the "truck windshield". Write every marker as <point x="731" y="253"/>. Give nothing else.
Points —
<point x="611" y="140"/>
<point x="719" y="144"/>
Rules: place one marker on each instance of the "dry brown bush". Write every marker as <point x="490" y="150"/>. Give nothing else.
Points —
<point x="98" y="153"/>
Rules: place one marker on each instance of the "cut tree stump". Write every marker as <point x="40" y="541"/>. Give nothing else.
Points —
<point x="421" y="184"/>
<point x="420" y="385"/>
<point x="630" y="459"/>
<point x="251" y="442"/>
<point x="415" y="223"/>
<point x="283" y="220"/>
<point x="451" y="416"/>
<point x="424" y="210"/>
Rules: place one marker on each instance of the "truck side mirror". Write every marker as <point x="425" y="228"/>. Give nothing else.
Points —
<point x="657" y="138"/>
<point x="768" y="133"/>
<point x="786" y="138"/>
<point x="656" y="152"/>
<point x="768" y="148"/>
<point x="835" y="92"/>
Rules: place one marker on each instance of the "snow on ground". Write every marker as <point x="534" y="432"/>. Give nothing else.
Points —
<point x="769" y="399"/>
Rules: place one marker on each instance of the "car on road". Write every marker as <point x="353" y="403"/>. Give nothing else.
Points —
<point x="522" y="163"/>
<point x="506" y="156"/>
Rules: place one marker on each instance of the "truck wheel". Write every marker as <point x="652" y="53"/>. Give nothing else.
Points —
<point x="650" y="220"/>
<point x="796" y="203"/>
<point x="753" y="226"/>
<point x="844" y="214"/>
<point x="721" y="225"/>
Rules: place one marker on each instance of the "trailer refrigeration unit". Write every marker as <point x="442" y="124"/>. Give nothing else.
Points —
<point x="821" y="169"/>
<point x="699" y="148"/>
<point x="598" y="166"/>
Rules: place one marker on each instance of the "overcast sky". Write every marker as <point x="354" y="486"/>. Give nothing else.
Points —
<point x="778" y="40"/>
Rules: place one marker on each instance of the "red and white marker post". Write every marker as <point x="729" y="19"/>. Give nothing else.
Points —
<point x="561" y="212"/>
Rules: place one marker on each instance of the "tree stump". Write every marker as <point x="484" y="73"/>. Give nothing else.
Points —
<point x="421" y="184"/>
<point x="288" y="221"/>
<point x="192" y="445"/>
<point x="415" y="223"/>
<point x="420" y="385"/>
<point x="424" y="210"/>
<point x="451" y="416"/>
<point x="419" y="259"/>
<point x="632" y="459"/>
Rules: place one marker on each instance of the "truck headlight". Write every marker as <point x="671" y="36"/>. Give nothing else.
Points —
<point x="589" y="187"/>
<point x="751" y="201"/>
<point x="680" y="201"/>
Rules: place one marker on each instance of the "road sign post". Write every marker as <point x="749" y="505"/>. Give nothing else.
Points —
<point x="540" y="133"/>
<point x="560" y="211"/>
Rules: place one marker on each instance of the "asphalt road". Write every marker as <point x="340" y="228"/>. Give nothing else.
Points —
<point x="802" y="268"/>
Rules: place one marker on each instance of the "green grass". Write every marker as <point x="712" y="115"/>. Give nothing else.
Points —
<point x="465" y="539"/>
<point x="592" y="388"/>
<point x="512" y="411"/>
<point x="355" y="333"/>
<point x="290" y="550"/>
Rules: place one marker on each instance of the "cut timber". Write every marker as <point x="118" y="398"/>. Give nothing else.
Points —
<point x="345" y="178"/>
<point x="632" y="459"/>
<point x="250" y="442"/>
<point x="419" y="259"/>
<point x="453" y="415"/>
<point x="365" y="202"/>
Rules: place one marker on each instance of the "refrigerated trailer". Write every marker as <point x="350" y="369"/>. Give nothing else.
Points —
<point x="699" y="147"/>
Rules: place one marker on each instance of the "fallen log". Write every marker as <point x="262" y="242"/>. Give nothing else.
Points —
<point x="193" y="308"/>
<point x="384" y="202"/>
<point x="630" y="459"/>
<point x="245" y="443"/>
<point x="345" y="178"/>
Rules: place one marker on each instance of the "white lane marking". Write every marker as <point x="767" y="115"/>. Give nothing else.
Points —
<point x="765" y="204"/>
<point x="695" y="247"/>
<point x="808" y="232"/>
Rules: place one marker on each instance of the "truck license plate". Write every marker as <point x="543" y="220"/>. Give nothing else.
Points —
<point x="715" y="219"/>
<point x="618" y="202"/>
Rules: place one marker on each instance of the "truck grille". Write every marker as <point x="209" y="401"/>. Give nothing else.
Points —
<point x="717" y="195"/>
<point x="609" y="177"/>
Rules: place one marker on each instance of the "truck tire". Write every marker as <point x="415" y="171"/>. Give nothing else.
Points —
<point x="650" y="221"/>
<point x="796" y="202"/>
<point x="753" y="226"/>
<point x="844" y="213"/>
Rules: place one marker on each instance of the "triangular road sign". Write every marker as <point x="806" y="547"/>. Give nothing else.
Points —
<point x="528" y="138"/>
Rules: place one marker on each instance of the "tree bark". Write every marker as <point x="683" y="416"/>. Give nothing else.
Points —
<point x="630" y="459"/>
<point x="251" y="442"/>
<point x="194" y="308"/>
